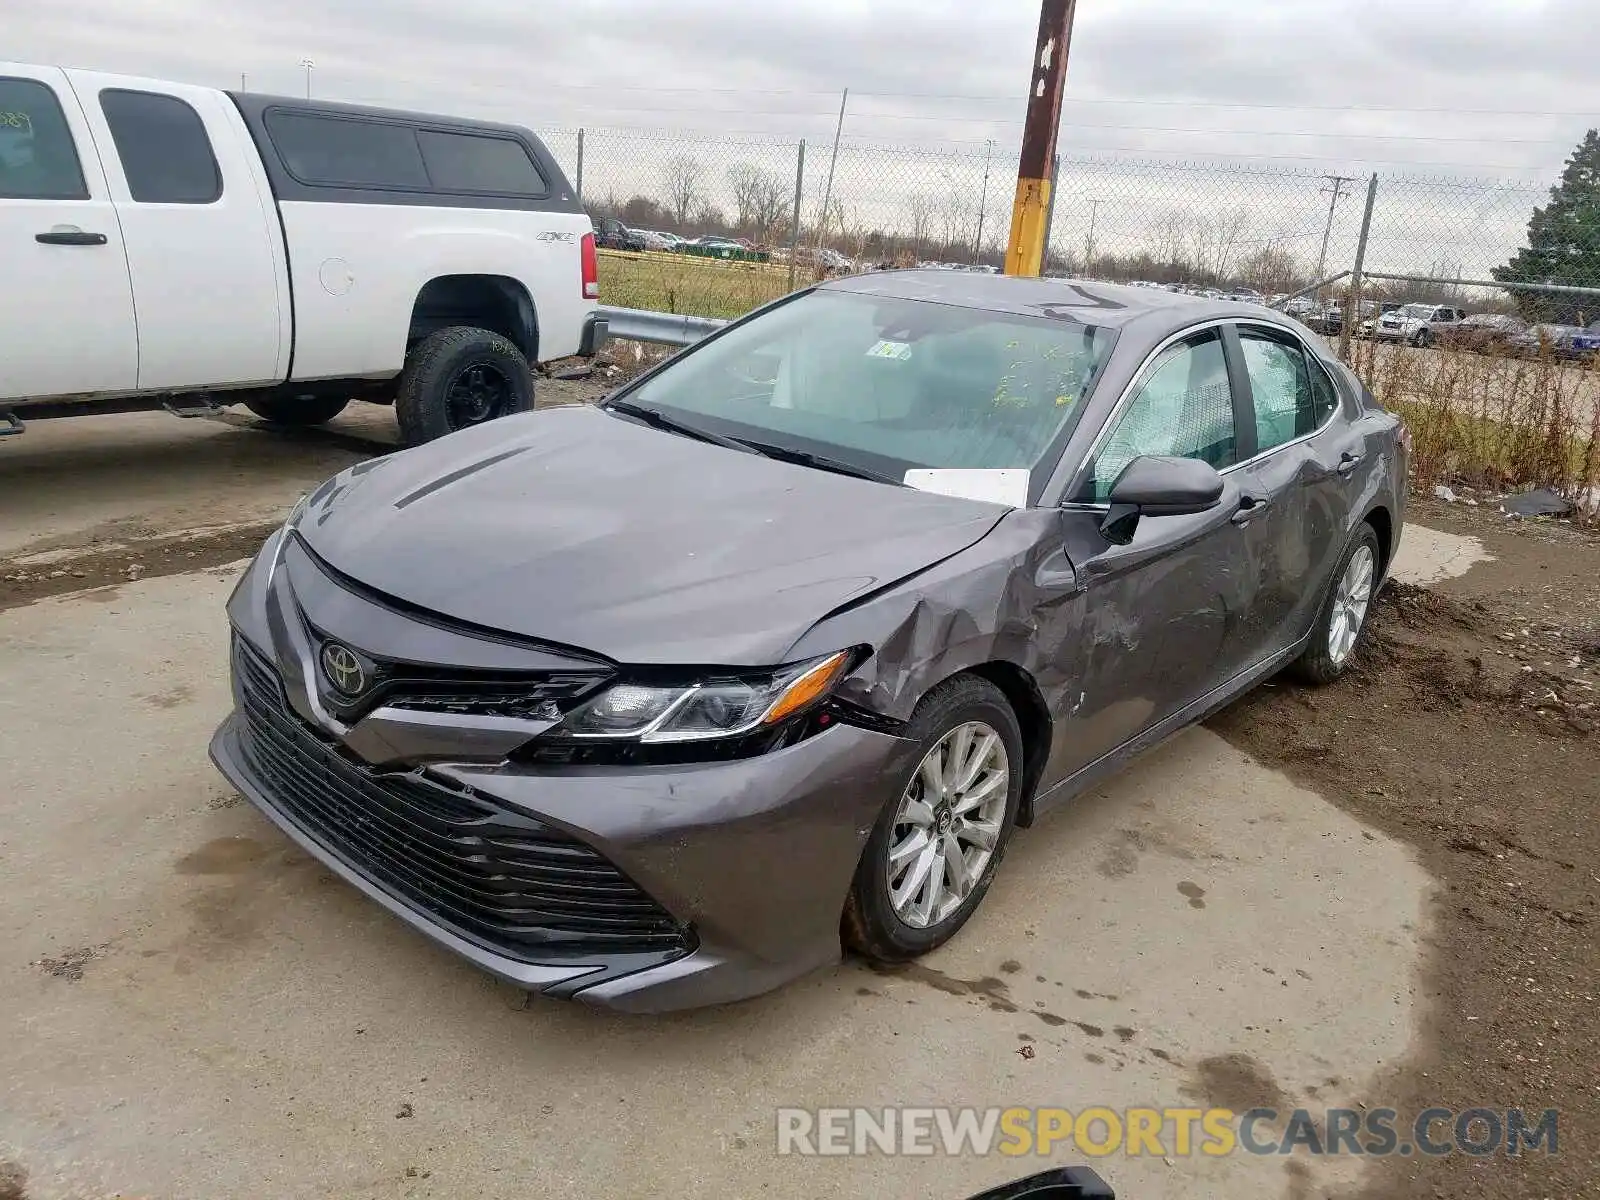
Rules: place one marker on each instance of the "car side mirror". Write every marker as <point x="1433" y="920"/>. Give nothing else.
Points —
<point x="1159" y="486"/>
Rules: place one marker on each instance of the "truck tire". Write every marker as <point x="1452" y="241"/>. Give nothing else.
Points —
<point x="460" y="377"/>
<point x="295" y="411"/>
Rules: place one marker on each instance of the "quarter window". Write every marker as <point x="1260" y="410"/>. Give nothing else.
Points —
<point x="347" y="152"/>
<point x="1183" y="409"/>
<point x="1291" y="394"/>
<point x="464" y="162"/>
<point x="166" y="155"/>
<point x="37" y="158"/>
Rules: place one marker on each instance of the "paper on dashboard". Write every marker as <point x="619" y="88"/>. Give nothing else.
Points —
<point x="997" y="485"/>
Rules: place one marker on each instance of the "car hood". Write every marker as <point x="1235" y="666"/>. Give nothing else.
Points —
<point x="579" y="528"/>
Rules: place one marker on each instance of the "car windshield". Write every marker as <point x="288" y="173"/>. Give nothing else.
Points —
<point x="889" y="384"/>
<point x="1417" y="310"/>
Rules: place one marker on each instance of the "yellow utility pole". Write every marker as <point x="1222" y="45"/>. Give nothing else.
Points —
<point x="1030" y="215"/>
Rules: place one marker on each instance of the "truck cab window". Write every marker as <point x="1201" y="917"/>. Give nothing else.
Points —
<point x="162" y="143"/>
<point x="37" y="158"/>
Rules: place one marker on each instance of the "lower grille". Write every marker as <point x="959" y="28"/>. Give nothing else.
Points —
<point x="496" y="878"/>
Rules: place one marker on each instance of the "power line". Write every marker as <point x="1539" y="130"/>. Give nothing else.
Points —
<point x="525" y="89"/>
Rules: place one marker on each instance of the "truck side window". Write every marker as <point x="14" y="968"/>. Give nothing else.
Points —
<point x="37" y="158"/>
<point x="163" y="146"/>
<point x="328" y="151"/>
<point x="465" y="162"/>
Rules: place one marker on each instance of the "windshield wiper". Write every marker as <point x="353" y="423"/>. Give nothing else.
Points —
<point x="805" y="458"/>
<point x="657" y="419"/>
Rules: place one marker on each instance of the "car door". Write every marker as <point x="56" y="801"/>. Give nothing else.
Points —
<point x="66" y="309"/>
<point x="203" y="241"/>
<point x="1159" y="615"/>
<point x="1300" y="478"/>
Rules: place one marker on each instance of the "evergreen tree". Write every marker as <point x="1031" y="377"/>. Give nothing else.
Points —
<point x="1563" y="243"/>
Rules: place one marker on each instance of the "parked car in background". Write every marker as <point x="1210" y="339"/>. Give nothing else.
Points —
<point x="1416" y="324"/>
<point x="1568" y="342"/>
<point x="653" y="240"/>
<point x="166" y="245"/>
<point x="901" y="563"/>
<point x="1485" y="333"/>
<point x="612" y="234"/>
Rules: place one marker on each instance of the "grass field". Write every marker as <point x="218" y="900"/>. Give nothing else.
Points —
<point x="679" y="283"/>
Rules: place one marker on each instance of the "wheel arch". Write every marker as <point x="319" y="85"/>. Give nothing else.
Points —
<point x="1382" y="522"/>
<point x="497" y="303"/>
<point x="1033" y="717"/>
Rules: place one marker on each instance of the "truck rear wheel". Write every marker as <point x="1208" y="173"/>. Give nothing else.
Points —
<point x="297" y="411"/>
<point x="457" y="378"/>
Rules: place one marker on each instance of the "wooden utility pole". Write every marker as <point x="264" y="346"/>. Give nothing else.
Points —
<point x="1030" y="214"/>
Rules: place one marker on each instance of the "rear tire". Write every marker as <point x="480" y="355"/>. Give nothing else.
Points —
<point x="457" y="378"/>
<point x="295" y="412"/>
<point x="1333" y="643"/>
<point x="881" y="918"/>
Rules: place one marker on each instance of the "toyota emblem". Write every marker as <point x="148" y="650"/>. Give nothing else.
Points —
<point x="343" y="669"/>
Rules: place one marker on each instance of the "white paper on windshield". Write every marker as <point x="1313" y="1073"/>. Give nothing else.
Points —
<point x="1001" y="485"/>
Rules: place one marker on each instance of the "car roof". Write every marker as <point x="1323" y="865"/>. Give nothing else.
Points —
<point x="1081" y="300"/>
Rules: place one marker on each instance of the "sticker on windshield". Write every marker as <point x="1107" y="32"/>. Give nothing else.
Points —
<point x="896" y="350"/>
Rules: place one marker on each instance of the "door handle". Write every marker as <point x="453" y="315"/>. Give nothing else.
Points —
<point x="70" y="237"/>
<point x="1347" y="463"/>
<point x="1250" y="507"/>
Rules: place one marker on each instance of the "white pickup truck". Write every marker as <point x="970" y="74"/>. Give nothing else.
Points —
<point x="163" y="245"/>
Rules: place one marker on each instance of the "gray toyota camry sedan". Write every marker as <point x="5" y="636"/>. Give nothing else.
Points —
<point x="666" y="701"/>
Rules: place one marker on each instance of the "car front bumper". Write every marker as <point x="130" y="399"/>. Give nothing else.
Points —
<point x="750" y="859"/>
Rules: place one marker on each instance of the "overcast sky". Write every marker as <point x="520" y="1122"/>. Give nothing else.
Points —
<point x="1161" y="76"/>
<point x="1269" y="94"/>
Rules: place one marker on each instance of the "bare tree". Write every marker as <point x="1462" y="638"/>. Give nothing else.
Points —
<point x="920" y="209"/>
<point x="1231" y="230"/>
<point x="759" y="197"/>
<point x="681" y="176"/>
<point x="1170" y="235"/>
<point x="955" y="220"/>
<point x="1271" y="268"/>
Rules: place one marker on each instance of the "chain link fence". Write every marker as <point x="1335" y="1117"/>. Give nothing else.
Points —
<point x="1269" y="229"/>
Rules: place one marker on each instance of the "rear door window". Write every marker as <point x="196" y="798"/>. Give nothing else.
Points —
<point x="1291" y="393"/>
<point x="166" y="155"/>
<point x="328" y="151"/>
<point x="466" y="162"/>
<point x="37" y="158"/>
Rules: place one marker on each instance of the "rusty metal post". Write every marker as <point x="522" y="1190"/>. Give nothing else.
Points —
<point x="1354" y="309"/>
<point x="578" y="185"/>
<point x="794" y="216"/>
<point x="1031" y="211"/>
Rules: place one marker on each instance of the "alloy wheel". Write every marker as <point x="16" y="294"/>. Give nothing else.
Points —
<point x="948" y="824"/>
<point x="476" y="394"/>
<point x="1350" y="603"/>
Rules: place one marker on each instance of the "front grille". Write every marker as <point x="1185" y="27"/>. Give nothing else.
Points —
<point x="499" y="879"/>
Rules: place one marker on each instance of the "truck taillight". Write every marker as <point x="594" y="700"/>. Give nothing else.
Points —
<point x="591" y="269"/>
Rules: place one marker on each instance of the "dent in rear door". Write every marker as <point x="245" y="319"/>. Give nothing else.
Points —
<point x="1305" y="450"/>
<point x="66" y="308"/>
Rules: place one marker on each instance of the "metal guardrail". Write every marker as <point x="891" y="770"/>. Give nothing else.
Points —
<point x="663" y="329"/>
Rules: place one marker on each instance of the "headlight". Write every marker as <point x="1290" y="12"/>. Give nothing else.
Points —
<point x="712" y="708"/>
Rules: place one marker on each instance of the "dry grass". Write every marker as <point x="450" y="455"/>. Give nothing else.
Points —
<point x="681" y="283"/>
<point x="1493" y="421"/>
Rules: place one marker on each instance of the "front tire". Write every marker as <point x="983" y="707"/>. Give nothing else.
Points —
<point x="936" y="846"/>
<point x="297" y="413"/>
<point x="457" y="378"/>
<point x="1342" y="619"/>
